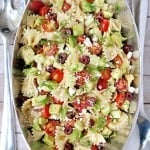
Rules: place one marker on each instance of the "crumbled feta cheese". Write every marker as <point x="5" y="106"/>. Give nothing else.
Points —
<point x="87" y="42"/>
<point x="129" y="55"/>
<point x="136" y="54"/>
<point x="131" y="89"/>
<point x="94" y="39"/>
<point x="71" y="91"/>
<point x="136" y="90"/>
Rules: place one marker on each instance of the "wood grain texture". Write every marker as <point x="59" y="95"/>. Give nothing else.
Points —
<point x="147" y="60"/>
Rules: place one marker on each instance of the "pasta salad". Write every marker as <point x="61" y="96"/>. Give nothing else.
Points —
<point x="77" y="91"/>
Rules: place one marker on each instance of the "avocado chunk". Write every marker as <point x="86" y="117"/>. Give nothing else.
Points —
<point x="54" y="109"/>
<point x="59" y="3"/>
<point x="78" y="29"/>
<point x="87" y="7"/>
<point x="72" y="41"/>
<point x="49" y="140"/>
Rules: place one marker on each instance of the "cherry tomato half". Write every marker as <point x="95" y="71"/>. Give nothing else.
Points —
<point x="50" y="50"/>
<point x="45" y="111"/>
<point x="104" y="25"/>
<point x="48" y="26"/>
<point x="35" y="5"/>
<point x="118" y="61"/>
<point x="101" y="84"/>
<point x="94" y="147"/>
<point x="44" y="10"/>
<point x="57" y="75"/>
<point x="120" y="98"/>
<point x="122" y="85"/>
<point x="90" y="1"/>
<point x="51" y="127"/>
<point x="106" y="74"/>
<point x="81" y="39"/>
<point x="66" y="6"/>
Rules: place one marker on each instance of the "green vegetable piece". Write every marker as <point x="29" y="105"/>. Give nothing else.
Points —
<point x="42" y="121"/>
<point x="72" y="41"/>
<point x="40" y="100"/>
<point x="106" y="110"/>
<point x="100" y="122"/>
<point x="106" y="132"/>
<point x="78" y="29"/>
<point x="125" y="106"/>
<point x="43" y="41"/>
<point x="35" y="145"/>
<point x="38" y="21"/>
<point x="87" y="6"/>
<point x="36" y="125"/>
<point x="84" y="141"/>
<point x="51" y="85"/>
<point x="63" y="112"/>
<point x="116" y="114"/>
<point x="59" y="3"/>
<point x="54" y="109"/>
<point x="75" y="135"/>
<point x="79" y="125"/>
<point x="30" y="71"/>
<point x="49" y="140"/>
<point x="107" y="14"/>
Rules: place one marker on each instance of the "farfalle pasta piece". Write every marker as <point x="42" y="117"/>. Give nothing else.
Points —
<point x="120" y="123"/>
<point x="26" y="111"/>
<point x="37" y="135"/>
<point x="28" y="88"/>
<point x="60" y="138"/>
<point x="111" y="52"/>
<point x="31" y="37"/>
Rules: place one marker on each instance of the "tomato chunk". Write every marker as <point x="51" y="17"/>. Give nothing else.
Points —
<point x="66" y="6"/>
<point x="35" y="5"/>
<point x="104" y="25"/>
<point x="51" y="127"/>
<point x="106" y="74"/>
<point x="120" y="98"/>
<point x="44" y="10"/>
<point x="49" y="25"/>
<point x="101" y="84"/>
<point x="118" y="61"/>
<point x="45" y="111"/>
<point x="50" y="50"/>
<point x="81" y="39"/>
<point x="122" y="85"/>
<point x="94" y="147"/>
<point x="90" y="1"/>
<point x="57" y="75"/>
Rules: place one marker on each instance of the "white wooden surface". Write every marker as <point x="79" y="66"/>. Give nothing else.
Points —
<point x="20" y="143"/>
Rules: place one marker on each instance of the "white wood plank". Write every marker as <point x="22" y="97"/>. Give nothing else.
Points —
<point x="147" y="109"/>
<point x="147" y="60"/>
<point x="148" y="8"/>
<point x="1" y="60"/>
<point x="1" y="88"/>
<point x="1" y="112"/>
<point x="147" y="89"/>
<point x="147" y="37"/>
<point x="20" y="142"/>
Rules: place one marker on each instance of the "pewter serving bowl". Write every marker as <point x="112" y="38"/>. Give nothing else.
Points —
<point x="130" y="31"/>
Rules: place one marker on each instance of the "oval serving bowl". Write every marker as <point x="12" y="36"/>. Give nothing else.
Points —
<point x="76" y="74"/>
